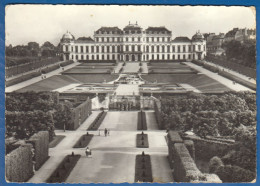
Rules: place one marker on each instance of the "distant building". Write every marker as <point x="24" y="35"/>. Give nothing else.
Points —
<point x="240" y="35"/>
<point x="214" y="44"/>
<point x="132" y="44"/>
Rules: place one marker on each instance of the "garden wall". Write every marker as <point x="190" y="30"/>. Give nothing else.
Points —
<point x="80" y="114"/>
<point x="40" y="143"/>
<point x="18" y="164"/>
<point x="206" y="149"/>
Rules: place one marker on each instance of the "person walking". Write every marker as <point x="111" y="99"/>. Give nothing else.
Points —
<point x="88" y="152"/>
<point x="105" y="131"/>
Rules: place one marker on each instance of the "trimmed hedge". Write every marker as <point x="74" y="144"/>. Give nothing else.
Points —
<point x="18" y="164"/>
<point x="66" y="63"/>
<point x="174" y="137"/>
<point x="142" y="141"/>
<point x="56" y="140"/>
<point x="64" y="169"/>
<point x="49" y="69"/>
<point x="40" y="142"/>
<point x="22" y="78"/>
<point x="83" y="141"/>
<point x="158" y="116"/>
<point x="143" y="168"/>
<point x="141" y="122"/>
<point x="97" y="122"/>
<point x="81" y="113"/>
<point x="190" y="146"/>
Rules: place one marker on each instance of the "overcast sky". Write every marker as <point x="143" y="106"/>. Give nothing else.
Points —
<point x="40" y="23"/>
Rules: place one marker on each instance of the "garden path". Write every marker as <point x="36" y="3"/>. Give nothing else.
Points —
<point x="221" y="79"/>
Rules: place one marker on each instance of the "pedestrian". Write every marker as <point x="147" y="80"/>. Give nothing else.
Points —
<point x="88" y="152"/>
<point x="105" y="131"/>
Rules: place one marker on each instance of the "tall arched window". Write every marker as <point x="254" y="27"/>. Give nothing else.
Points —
<point x="162" y="48"/>
<point x="147" y="48"/>
<point x="158" y="48"/>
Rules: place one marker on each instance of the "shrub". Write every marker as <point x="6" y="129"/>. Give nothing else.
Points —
<point x="214" y="164"/>
<point x="97" y="122"/>
<point x="190" y="146"/>
<point x="18" y="164"/>
<point x="142" y="141"/>
<point x="229" y="173"/>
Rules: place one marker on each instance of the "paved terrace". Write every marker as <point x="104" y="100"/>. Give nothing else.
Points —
<point x="113" y="158"/>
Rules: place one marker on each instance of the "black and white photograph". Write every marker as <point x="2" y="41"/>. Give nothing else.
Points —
<point x="130" y="94"/>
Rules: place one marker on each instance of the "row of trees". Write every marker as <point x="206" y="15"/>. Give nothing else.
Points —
<point x="244" y="53"/>
<point x="30" y="112"/>
<point x="32" y="49"/>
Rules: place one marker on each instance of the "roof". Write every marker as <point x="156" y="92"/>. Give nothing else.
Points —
<point x="109" y="29"/>
<point x="157" y="29"/>
<point x="132" y="27"/>
<point x="181" y="39"/>
<point x="84" y="40"/>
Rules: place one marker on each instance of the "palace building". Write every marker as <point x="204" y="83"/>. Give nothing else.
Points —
<point x="132" y="44"/>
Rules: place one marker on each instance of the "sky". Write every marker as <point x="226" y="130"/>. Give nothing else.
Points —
<point x="40" y="23"/>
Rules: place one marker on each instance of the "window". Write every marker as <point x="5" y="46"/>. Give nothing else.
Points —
<point x="92" y="48"/>
<point x="169" y="39"/>
<point x="173" y="48"/>
<point x="67" y="48"/>
<point x="147" y="48"/>
<point x="189" y="48"/>
<point x="133" y="48"/>
<point x="189" y="56"/>
<point x="184" y="57"/>
<point x="194" y="47"/>
<point x="158" y="48"/>
<point x="199" y="47"/>
<point x="158" y="56"/>
<point x="76" y="57"/>
<point x="97" y="49"/>
<point x="139" y="39"/>
<point x="152" y="57"/>
<point x="179" y="48"/>
<point x="87" y="57"/>
<point x="107" y="57"/>
<point x="103" y="57"/>
<point x="113" y="57"/>
<point x="93" y="57"/>
<point x="82" y="57"/>
<point x="152" y="48"/>
<point x="103" y="39"/>
<point x="103" y="49"/>
<point x="108" y="49"/>
<point x="76" y="48"/>
<point x="162" y="48"/>
<point x="173" y="57"/>
<point x="133" y="39"/>
<point x="179" y="57"/>
<point x="163" y="39"/>
<point x="152" y="39"/>
<point x="126" y="39"/>
<point x="126" y="48"/>
<point x="139" y="48"/>
<point x="163" y="56"/>
<point x="184" y="48"/>
<point x="168" y="56"/>
<point x="97" y="57"/>
<point x="168" y="48"/>
<point x="147" y="57"/>
<point x="118" y="48"/>
<point x="113" y="39"/>
<point x="86" y="48"/>
<point x="113" y="48"/>
<point x="72" y="56"/>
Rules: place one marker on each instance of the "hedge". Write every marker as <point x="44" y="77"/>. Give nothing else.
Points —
<point x="141" y="121"/>
<point x="97" y="122"/>
<point x="66" y="63"/>
<point x="174" y="137"/>
<point x="143" y="168"/>
<point x="142" y="141"/>
<point x="49" y="69"/>
<point x="158" y="116"/>
<point x="22" y="78"/>
<point x="40" y="142"/>
<point x="18" y="164"/>
<point x="81" y="113"/>
<point x="83" y="141"/>
<point x="190" y="146"/>
<point x="62" y="172"/>
<point x="214" y="164"/>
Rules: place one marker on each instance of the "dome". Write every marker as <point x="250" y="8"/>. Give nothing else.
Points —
<point x="198" y="37"/>
<point x="67" y="36"/>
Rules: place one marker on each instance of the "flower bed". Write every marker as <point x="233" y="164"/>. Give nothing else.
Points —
<point x="97" y="122"/>
<point x="143" y="168"/>
<point x="56" y="140"/>
<point x="142" y="140"/>
<point x="66" y="63"/>
<point x="141" y="122"/>
<point x="63" y="170"/>
<point x="51" y="68"/>
<point x="83" y="141"/>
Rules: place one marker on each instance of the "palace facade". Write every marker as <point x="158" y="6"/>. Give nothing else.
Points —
<point x="132" y="44"/>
